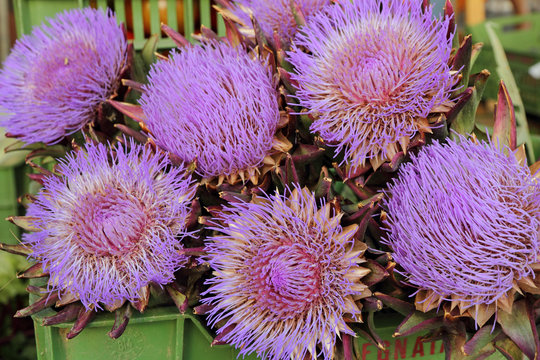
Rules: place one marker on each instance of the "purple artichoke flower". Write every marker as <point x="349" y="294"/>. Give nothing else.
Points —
<point x="277" y="16"/>
<point x="216" y="105"/>
<point x="464" y="224"/>
<point x="55" y="79"/>
<point x="285" y="275"/>
<point x="111" y="224"/>
<point x="371" y="72"/>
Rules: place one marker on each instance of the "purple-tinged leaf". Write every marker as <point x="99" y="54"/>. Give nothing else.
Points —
<point x="462" y="61"/>
<point x="231" y="32"/>
<point x="402" y="307"/>
<point x="67" y="314"/>
<point x="34" y="271"/>
<point x="142" y="302"/>
<point x="480" y="339"/>
<point x="177" y="295"/>
<point x="347" y="347"/>
<point x="418" y="321"/>
<point x="175" y="36"/>
<point x="135" y="85"/>
<point x="299" y="16"/>
<point x="378" y="273"/>
<point x="449" y="13"/>
<point x="306" y="153"/>
<point x="504" y="128"/>
<point x="84" y="317"/>
<point x="43" y="303"/>
<point x="202" y="309"/>
<point x="221" y="334"/>
<point x="121" y="320"/>
<point x="133" y="111"/>
<point x="464" y="98"/>
<point x="137" y="135"/>
<point x="521" y="328"/>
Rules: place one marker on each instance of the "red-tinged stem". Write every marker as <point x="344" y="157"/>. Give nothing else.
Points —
<point x="347" y="347"/>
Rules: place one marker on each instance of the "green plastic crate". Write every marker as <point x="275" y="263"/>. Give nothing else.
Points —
<point x="165" y="334"/>
<point x="29" y="13"/>
<point x="520" y="37"/>
<point x="160" y="333"/>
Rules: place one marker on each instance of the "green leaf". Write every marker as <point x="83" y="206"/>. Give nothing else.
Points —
<point x="144" y="59"/>
<point x="509" y="349"/>
<point x="521" y="328"/>
<point x="465" y="119"/>
<point x="324" y="184"/>
<point x="10" y="286"/>
<point x="11" y="159"/>
<point x="259" y="33"/>
<point x="476" y="50"/>
<point x="481" y="341"/>
<point x="462" y="62"/>
<point x="504" y="72"/>
<point x="148" y="52"/>
<point x="54" y="151"/>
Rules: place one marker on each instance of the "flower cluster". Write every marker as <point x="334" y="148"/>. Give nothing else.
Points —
<point x="215" y="105"/>
<point x="111" y="224"/>
<point x="226" y="193"/>
<point x="372" y="73"/>
<point x="285" y="276"/>
<point x="464" y="222"/>
<point x="55" y="79"/>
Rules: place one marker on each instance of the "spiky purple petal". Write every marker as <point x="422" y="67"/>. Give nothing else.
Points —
<point x="112" y="223"/>
<point x="55" y="78"/>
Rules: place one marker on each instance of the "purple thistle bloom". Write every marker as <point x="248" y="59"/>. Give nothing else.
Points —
<point x="371" y="72"/>
<point x="464" y="222"/>
<point x="55" y="79"/>
<point x="213" y="104"/>
<point x="285" y="275"/>
<point x="276" y="16"/>
<point x="111" y="224"/>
